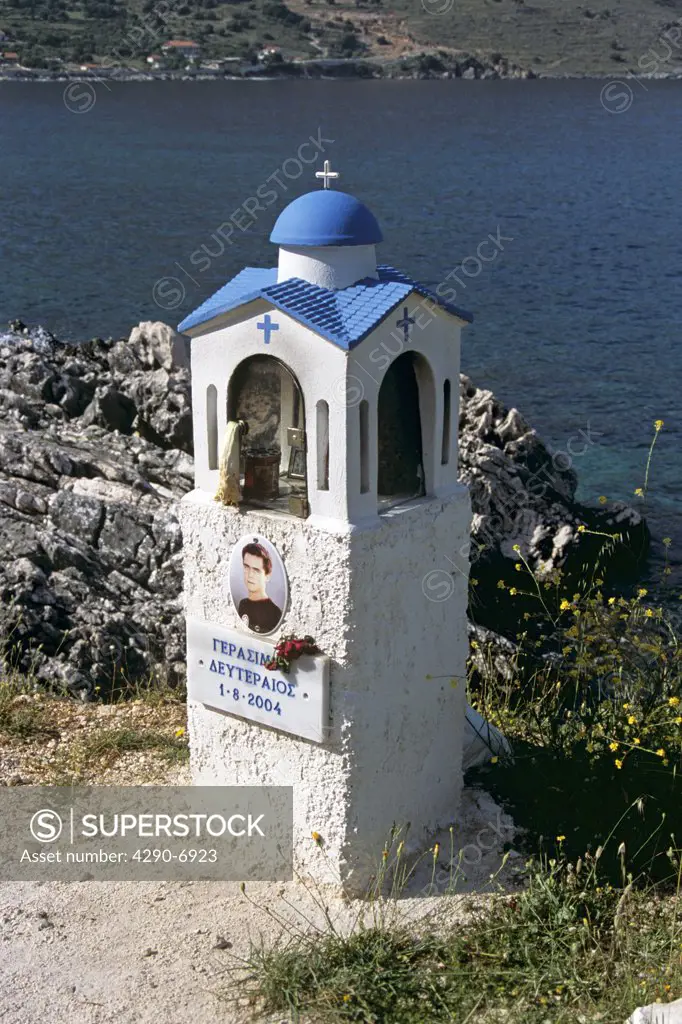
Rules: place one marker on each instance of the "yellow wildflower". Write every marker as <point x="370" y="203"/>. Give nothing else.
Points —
<point x="179" y="732"/>
<point x="631" y="719"/>
<point x="581" y="528"/>
<point x="560" y="839"/>
<point x="639" y="492"/>
<point x="636" y="741"/>
<point x="673" y="701"/>
<point x="642" y="592"/>
<point x="513" y="591"/>
<point x="564" y="605"/>
<point x="518" y="567"/>
<point x="516" y="547"/>
<point x="602" y="499"/>
<point x="317" y="837"/>
<point x="648" y="614"/>
<point x="346" y="998"/>
<point x="626" y="706"/>
<point x="660" y="752"/>
<point x="501" y="584"/>
<point x="658" y="424"/>
<point x="494" y="760"/>
<point x="667" y="541"/>
<point x="612" y="600"/>
<point x="613" y="746"/>
<point x="619" y="764"/>
<point x="678" y="720"/>
<point x="474" y="644"/>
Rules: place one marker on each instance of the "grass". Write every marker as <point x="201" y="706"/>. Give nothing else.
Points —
<point x="593" y="708"/>
<point x="108" y="744"/>
<point x="22" y="720"/>
<point x="597" y="719"/>
<point x="567" y="948"/>
<point x="21" y="717"/>
<point x="100" y="749"/>
<point x="50" y="738"/>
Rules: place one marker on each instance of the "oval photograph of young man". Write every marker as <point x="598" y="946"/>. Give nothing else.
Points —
<point x="258" y="584"/>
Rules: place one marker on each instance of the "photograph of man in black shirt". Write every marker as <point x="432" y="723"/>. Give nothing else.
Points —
<point x="257" y="611"/>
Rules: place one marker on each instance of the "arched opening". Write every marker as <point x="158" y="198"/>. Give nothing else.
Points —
<point x="322" y="445"/>
<point x="364" y="446"/>
<point x="212" y="425"/>
<point x="445" y="445"/>
<point x="406" y="403"/>
<point x="266" y="395"/>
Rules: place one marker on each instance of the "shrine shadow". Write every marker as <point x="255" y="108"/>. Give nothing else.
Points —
<point x="590" y="803"/>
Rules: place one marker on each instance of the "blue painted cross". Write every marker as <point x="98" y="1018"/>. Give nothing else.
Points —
<point x="405" y="323"/>
<point x="267" y="327"/>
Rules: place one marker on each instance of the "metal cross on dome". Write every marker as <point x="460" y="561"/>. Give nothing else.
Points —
<point x="326" y="174"/>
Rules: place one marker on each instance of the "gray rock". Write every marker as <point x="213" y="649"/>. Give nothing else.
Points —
<point x="95" y="449"/>
<point x="523" y="495"/>
<point x="90" y="571"/>
<point x="112" y="409"/>
<point x="77" y="515"/>
<point x="157" y="344"/>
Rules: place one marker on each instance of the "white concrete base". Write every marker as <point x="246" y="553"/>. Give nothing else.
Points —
<point x="658" y="1013"/>
<point x="388" y="605"/>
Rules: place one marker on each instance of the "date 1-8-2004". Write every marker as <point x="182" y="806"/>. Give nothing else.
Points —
<point x="254" y="699"/>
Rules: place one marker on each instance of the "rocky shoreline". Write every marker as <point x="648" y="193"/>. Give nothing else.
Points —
<point x="467" y="67"/>
<point x="96" y="449"/>
<point x="423" y="66"/>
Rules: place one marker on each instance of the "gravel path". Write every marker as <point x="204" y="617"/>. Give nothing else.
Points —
<point x="145" y="953"/>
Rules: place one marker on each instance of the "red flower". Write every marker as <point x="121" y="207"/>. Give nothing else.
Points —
<point x="288" y="648"/>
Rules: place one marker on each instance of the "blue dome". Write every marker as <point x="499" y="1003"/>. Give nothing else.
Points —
<point x="326" y="217"/>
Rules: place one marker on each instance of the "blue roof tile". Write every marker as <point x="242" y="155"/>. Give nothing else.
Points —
<point x="344" y="316"/>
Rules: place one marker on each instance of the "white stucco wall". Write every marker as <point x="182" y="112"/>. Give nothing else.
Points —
<point x="387" y="603"/>
<point x="331" y="266"/>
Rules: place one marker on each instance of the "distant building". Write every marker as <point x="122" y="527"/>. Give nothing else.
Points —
<point x="185" y="47"/>
<point x="155" y="60"/>
<point x="10" y="58"/>
<point x="270" y="53"/>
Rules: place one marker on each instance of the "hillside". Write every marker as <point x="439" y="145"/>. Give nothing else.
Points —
<point x="549" y="37"/>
